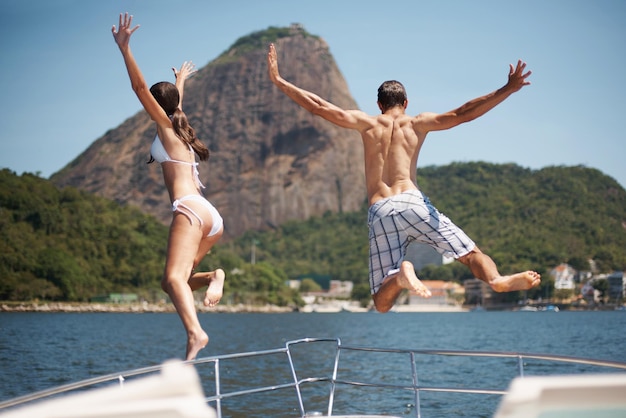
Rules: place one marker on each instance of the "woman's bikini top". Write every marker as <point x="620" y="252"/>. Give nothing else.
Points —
<point x="161" y="156"/>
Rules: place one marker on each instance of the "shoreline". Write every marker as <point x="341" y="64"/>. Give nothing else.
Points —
<point x="145" y="307"/>
<point x="142" y="307"/>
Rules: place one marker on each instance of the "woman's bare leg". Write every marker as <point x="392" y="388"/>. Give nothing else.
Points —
<point x="184" y="241"/>
<point x="213" y="280"/>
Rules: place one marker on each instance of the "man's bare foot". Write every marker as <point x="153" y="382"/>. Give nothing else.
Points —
<point x="519" y="281"/>
<point x="408" y="280"/>
<point x="214" y="289"/>
<point x="195" y="344"/>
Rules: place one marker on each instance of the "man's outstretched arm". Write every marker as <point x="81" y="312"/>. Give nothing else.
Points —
<point x="310" y="101"/>
<point x="476" y="107"/>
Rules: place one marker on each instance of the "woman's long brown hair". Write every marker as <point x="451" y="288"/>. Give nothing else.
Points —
<point x="166" y="94"/>
<point x="185" y="132"/>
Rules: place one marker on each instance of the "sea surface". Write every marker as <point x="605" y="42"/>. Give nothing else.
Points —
<point x="42" y="350"/>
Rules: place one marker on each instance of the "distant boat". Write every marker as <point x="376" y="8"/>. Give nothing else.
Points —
<point x="428" y="308"/>
<point x="326" y="308"/>
<point x="354" y="309"/>
<point x="528" y="309"/>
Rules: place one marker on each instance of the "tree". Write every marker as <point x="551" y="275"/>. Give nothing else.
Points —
<point x="309" y="285"/>
<point x="602" y="286"/>
<point x="362" y="293"/>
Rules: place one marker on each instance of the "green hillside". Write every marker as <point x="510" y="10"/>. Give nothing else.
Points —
<point x="524" y="219"/>
<point x="67" y="245"/>
<point x="71" y="246"/>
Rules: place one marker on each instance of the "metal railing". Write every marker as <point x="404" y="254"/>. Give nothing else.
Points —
<point x="296" y="382"/>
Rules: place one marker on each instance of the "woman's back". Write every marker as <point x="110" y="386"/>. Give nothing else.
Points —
<point x="180" y="170"/>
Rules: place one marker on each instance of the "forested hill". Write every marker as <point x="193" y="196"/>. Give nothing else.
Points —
<point x="523" y="218"/>
<point x="553" y="215"/>
<point x="69" y="245"/>
<point x="64" y="244"/>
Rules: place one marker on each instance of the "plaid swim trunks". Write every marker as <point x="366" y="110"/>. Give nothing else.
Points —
<point x="397" y="221"/>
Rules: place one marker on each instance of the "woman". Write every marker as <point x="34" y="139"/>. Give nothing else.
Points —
<point x="196" y="224"/>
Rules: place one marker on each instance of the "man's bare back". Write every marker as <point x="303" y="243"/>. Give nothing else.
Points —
<point x="391" y="148"/>
<point x="392" y="142"/>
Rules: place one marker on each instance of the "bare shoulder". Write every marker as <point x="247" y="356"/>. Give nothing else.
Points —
<point x="423" y="118"/>
<point x="361" y="115"/>
<point x="423" y="122"/>
<point x="361" y="120"/>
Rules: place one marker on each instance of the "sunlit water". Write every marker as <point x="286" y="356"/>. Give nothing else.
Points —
<point x="42" y="350"/>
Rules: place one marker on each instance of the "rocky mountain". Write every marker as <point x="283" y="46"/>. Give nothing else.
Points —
<point x="271" y="161"/>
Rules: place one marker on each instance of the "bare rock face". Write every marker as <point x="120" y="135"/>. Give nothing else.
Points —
<point x="271" y="161"/>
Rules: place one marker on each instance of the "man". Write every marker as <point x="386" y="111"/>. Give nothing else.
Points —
<point x="399" y="213"/>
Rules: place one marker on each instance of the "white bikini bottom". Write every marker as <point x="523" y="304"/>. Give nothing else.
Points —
<point x="179" y="206"/>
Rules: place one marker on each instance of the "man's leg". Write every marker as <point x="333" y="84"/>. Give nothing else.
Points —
<point x="395" y="283"/>
<point x="483" y="267"/>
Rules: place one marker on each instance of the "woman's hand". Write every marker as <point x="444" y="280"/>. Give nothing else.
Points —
<point x="122" y="36"/>
<point x="186" y="70"/>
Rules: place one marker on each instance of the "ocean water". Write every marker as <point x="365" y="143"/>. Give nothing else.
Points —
<point x="42" y="350"/>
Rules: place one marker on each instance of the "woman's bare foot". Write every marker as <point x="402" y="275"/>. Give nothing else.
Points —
<point x="215" y="288"/>
<point x="213" y="280"/>
<point x="519" y="281"/>
<point x="408" y="280"/>
<point x="195" y="344"/>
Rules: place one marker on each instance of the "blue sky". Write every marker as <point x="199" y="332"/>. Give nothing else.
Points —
<point x="65" y="85"/>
